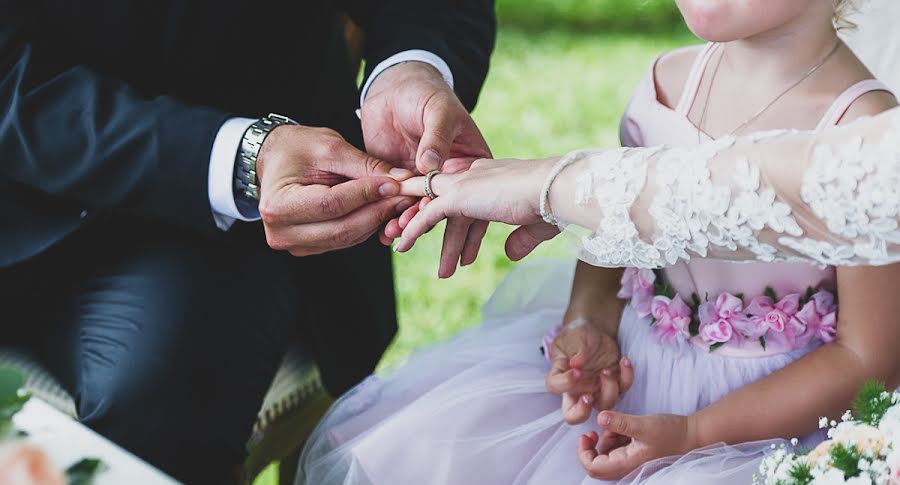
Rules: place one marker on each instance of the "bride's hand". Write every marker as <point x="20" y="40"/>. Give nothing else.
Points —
<point x="492" y="190"/>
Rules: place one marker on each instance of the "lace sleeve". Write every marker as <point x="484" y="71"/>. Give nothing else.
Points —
<point x="831" y="198"/>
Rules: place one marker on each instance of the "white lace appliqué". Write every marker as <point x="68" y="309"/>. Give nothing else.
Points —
<point x="690" y="212"/>
<point x="854" y="188"/>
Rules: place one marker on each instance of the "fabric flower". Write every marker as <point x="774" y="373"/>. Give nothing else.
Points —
<point x="637" y="284"/>
<point x="814" y="322"/>
<point x="549" y="338"/>
<point x="673" y="318"/>
<point x="768" y="315"/>
<point x="718" y="331"/>
<point x="717" y="320"/>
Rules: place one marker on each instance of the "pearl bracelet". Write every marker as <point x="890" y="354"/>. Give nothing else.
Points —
<point x="561" y="165"/>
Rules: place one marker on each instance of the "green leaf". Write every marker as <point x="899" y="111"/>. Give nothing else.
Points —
<point x="694" y="327"/>
<point x="695" y="300"/>
<point x="810" y="291"/>
<point x="762" y="342"/>
<point x="12" y="398"/>
<point x="770" y="292"/>
<point x="11" y="380"/>
<point x="801" y="473"/>
<point x="846" y="459"/>
<point x="715" y="346"/>
<point x="871" y="402"/>
<point x="85" y="471"/>
<point x="740" y="297"/>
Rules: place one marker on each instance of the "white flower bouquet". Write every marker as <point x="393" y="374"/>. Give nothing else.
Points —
<point x="863" y="449"/>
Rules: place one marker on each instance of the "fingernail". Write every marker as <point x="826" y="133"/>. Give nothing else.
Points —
<point x="405" y="204"/>
<point x="399" y="173"/>
<point x="603" y="419"/>
<point x="607" y="372"/>
<point x="389" y="190"/>
<point x="576" y="373"/>
<point x="626" y="362"/>
<point x="431" y="159"/>
<point x="587" y="399"/>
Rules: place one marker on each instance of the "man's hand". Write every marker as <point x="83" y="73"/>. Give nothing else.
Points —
<point x="412" y="118"/>
<point x="318" y="193"/>
<point x="628" y="442"/>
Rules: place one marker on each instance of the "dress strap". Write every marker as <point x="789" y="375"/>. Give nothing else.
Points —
<point x="847" y="98"/>
<point x="695" y="77"/>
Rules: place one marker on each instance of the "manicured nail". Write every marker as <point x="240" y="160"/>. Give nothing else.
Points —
<point x="607" y="372"/>
<point x="587" y="399"/>
<point x="389" y="190"/>
<point x="431" y="159"/>
<point x="405" y="204"/>
<point x="576" y="373"/>
<point x="603" y="419"/>
<point x="626" y="362"/>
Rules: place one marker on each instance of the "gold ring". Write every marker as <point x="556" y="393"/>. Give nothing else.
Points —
<point x="430" y="175"/>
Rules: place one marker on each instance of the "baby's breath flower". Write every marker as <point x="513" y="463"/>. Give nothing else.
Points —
<point x="823" y="422"/>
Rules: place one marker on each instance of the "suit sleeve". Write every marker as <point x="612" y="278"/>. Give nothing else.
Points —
<point x="81" y="137"/>
<point x="462" y="32"/>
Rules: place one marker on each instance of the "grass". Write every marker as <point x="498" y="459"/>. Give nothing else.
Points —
<point x="548" y="92"/>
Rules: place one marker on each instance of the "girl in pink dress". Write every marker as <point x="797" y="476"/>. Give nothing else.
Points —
<point x="716" y="352"/>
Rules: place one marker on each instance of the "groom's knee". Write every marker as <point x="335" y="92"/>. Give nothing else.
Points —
<point x="175" y="354"/>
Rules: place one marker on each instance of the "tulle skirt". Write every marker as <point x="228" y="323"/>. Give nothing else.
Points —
<point x="474" y="410"/>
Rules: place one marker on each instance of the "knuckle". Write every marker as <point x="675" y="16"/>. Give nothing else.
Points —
<point x="269" y="213"/>
<point x="331" y="206"/>
<point x="344" y="237"/>
<point x="275" y="242"/>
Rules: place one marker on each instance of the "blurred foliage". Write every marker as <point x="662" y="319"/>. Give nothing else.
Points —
<point x="591" y="15"/>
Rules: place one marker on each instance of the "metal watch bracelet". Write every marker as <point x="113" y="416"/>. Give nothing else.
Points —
<point x="246" y="183"/>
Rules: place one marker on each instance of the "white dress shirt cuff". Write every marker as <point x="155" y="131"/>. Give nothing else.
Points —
<point x="407" y="56"/>
<point x="221" y="173"/>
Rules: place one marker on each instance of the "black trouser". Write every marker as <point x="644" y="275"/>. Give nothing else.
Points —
<point x="168" y="339"/>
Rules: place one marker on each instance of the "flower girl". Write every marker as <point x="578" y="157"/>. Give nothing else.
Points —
<point x="721" y="358"/>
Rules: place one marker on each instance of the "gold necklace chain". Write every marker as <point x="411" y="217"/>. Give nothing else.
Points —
<point x="765" y="108"/>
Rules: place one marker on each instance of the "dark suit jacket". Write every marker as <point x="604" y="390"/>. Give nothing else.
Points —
<point x="113" y="105"/>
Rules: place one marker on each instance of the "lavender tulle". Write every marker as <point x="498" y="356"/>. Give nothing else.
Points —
<point x="474" y="410"/>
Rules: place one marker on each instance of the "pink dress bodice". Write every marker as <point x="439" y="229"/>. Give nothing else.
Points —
<point x="648" y="122"/>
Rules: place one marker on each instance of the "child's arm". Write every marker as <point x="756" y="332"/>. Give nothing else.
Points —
<point x="789" y="402"/>
<point x="786" y="403"/>
<point x="594" y="298"/>
<point x="585" y="355"/>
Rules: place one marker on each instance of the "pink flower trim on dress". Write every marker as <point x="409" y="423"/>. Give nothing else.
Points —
<point x="549" y="338"/>
<point x="794" y="321"/>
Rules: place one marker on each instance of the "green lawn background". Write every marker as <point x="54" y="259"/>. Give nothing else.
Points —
<point x="560" y="77"/>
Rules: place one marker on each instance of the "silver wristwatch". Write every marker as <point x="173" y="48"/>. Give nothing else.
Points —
<point x="246" y="184"/>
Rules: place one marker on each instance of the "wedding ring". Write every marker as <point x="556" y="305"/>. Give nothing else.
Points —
<point x="430" y="175"/>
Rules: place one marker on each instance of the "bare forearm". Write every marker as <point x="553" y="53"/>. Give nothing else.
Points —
<point x="789" y="402"/>
<point x="594" y="293"/>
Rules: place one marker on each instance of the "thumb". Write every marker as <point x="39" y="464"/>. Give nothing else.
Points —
<point x="437" y="139"/>
<point x="352" y="163"/>
<point x="623" y="424"/>
<point x="525" y="239"/>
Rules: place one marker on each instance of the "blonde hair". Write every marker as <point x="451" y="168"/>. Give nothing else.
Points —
<point x="843" y="9"/>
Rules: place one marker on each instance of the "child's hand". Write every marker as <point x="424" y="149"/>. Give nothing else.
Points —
<point x="614" y="382"/>
<point x="628" y="442"/>
<point x="587" y="371"/>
